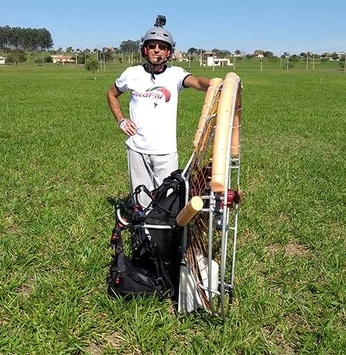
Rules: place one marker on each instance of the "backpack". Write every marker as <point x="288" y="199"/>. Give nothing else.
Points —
<point x="152" y="266"/>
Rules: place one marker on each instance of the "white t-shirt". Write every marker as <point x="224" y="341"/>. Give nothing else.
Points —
<point x="153" y="107"/>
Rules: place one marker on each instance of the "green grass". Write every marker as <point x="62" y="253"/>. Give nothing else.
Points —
<point x="62" y="158"/>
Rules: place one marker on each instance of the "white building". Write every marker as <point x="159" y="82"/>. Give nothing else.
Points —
<point x="211" y="61"/>
<point x="63" y="59"/>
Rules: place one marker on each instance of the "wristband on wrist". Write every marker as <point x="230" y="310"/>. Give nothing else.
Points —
<point x="121" y="121"/>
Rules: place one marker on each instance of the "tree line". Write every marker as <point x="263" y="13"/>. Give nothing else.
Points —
<point x="17" y="41"/>
<point x="25" y="38"/>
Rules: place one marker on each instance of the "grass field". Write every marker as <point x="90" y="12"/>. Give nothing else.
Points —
<point x="62" y="159"/>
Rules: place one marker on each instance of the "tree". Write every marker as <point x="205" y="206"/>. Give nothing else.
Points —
<point x="4" y="36"/>
<point x="81" y="58"/>
<point x="25" y="38"/>
<point x="273" y="59"/>
<point x="39" y="61"/>
<point x="343" y="62"/>
<point x="44" y="39"/>
<point x="258" y="52"/>
<point x="108" y="56"/>
<point x="268" y="54"/>
<point x="192" y="51"/>
<point x="294" y="58"/>
<point x="335" y="56"/>
<point x="216" y="51"/>
<point x="9" y="60"/>
<point x="129" y="46"/>
<point x="223" y="53"/>
<point x="16" y="56"/>
<point x="92" y="64"/>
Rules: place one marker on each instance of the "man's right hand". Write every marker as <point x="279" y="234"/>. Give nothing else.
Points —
<point x="128" y="127"/>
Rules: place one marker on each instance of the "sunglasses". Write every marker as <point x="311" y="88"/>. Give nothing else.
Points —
<point x="162" y="46"/>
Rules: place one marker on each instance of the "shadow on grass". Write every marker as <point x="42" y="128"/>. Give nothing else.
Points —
<point x="123" y="204"/>
<point x="200" y="316"/>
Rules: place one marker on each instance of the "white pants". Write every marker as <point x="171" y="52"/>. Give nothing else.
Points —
<point x="150" y="169"/>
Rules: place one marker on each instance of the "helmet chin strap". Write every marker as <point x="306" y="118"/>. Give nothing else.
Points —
<point x="156" y="67"/>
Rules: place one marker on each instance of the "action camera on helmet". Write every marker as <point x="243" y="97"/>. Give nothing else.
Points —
<point x="160" y="21"/>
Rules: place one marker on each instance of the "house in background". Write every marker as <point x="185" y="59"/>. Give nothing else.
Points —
<point x="2" y="60"/>
<point x="210" y="60"/>
<point x="179" y="56"/>
<point x="62" y="59"/>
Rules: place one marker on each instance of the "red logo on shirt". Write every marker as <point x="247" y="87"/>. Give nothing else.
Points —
<point x="162" y="89"/>
<point x="156" y="93"/>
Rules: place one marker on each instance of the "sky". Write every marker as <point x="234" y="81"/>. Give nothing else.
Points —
<point x="291" y="26"/>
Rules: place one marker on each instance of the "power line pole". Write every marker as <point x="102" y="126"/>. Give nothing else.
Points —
<point x="287" y="61"/>
<point x="307" y="60"/>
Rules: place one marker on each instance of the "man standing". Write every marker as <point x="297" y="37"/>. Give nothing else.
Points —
<point x="151" y="129"/>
